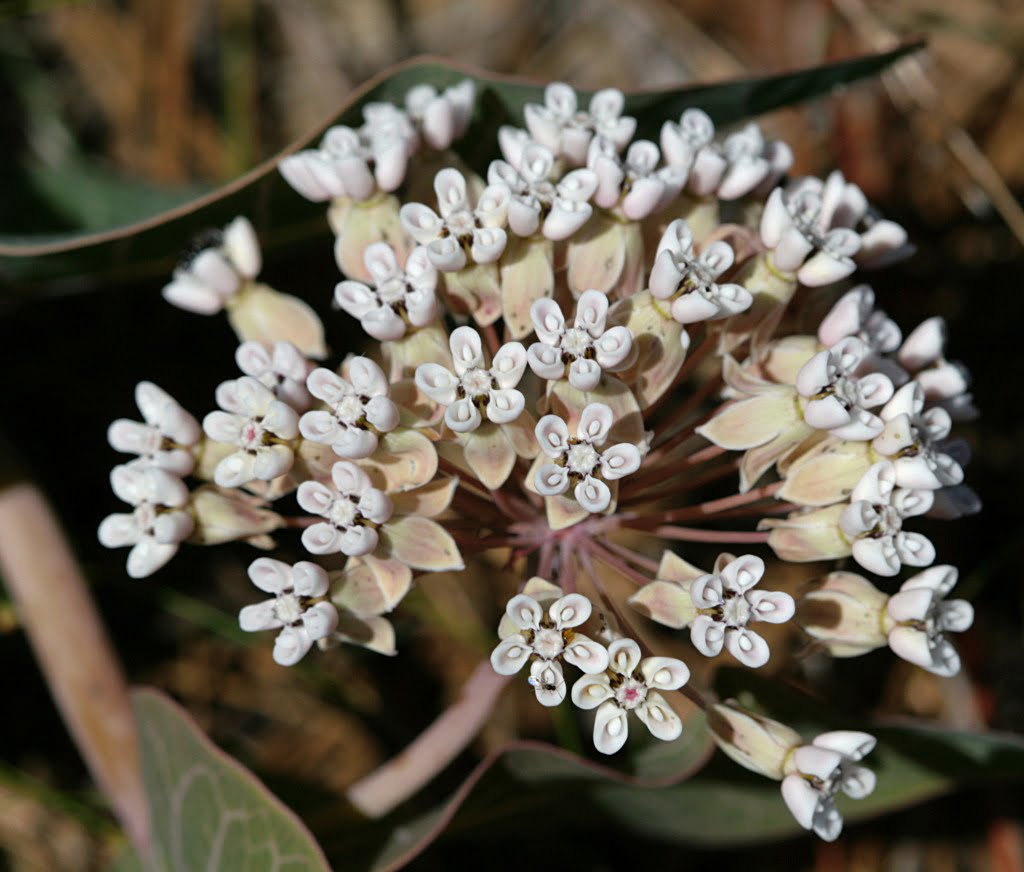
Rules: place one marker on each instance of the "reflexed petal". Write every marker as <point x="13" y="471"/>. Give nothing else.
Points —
<point x="706" y="591"/>
<point x="664" y="673"/>
<point x="623" y="656"/>
<point x="467" y="350"/>
<point x="590" y="691"/>
<point x="850" y="743"/>
<point x="546" y="361"/>
<point x="510" y="655"/>
<point x="315" y="498"/>
<point x="260" y="616"/>
<point x="614" y="347"/>
<point x="707" y="635"/>
<point x="509" y="365"/>
<point x="801" y="799"/>
<point x="619" y="461"/>
<point x="659" y="718"/>
<point x="611" y="727"/>
<point x="747" y="646"/>
<point x="593" y="494"/>
<point x="877" y="555"/>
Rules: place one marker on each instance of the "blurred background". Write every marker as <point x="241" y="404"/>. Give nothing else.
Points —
<point x="112" y="110"/>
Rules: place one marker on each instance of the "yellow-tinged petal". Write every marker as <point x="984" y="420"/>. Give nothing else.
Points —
<point x="489" y="454"/>
<point x="598" y="253"/>
<point x="261" y="314"/>
<point x="785" y="357"/>
<point x="521" y="434"/>
<point x="827" y="474"/>
<point x="370" y="586"/>
<point x="757" y="461"/>
<point x="665" y="602"/>
<point x="404" y="460"/>
<point x="228" y="515"/>
<point x="401" y="356"/>
<point x="674" y="568"/>
<point x="421" y="544"/>
<point x="808" y="536"/>
<point x="375" y="634"/>
<point x="428" y="501"/>
<point x="527" y="275"/>
<point x="475" y="290"/>
<point x="362" y="224"/>
<point x="754" y="421"/>
<point x="564" y="512"/>
<point x="658" y="352"/>
<point x="568" y="403"/>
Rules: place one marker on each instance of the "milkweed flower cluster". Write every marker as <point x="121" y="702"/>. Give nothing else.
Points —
<point x="570" y="348"/>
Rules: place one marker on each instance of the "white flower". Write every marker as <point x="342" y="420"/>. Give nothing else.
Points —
<point x="355" y="164"/>
<point x="462" y="231"/>
<point x="353" y="510"/>
<point x="588" y="347"/>
<point x="854" y="314"/>
<point x="401" y="298"/>
<point x="282" y="368"/>
<point x="223" y="264"/>
<point x="945" y="383"/>
<point x="259" y="424"/>
<point x="631" y="685"/>
<point x="579" y="462"/>
<point x="563" y="128"/>
<point x="752" y="162"/>
<point x="166" y="437"/>
<point x="922" y="615"/>
<point x="475" y="388"/>
<point x="635" y="183"/>
<point x="822" y="769"/>
<point x="158" y="523"/>
<point x="359" y="409"/>
<point x="441" y="117"/>
<point x="557" y="209"/>
<point x="689" y="146"/>
<point x="689" y="281"/>
<point x="874" y="522"/>
<point x="548" y="638"/>
<point x="727" y="604"/>
<point x="837" y="399"/>
<point x="911" y="441"/>
<point x="294" y="611"/>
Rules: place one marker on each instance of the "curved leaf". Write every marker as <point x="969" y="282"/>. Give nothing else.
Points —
<point x="208" y="811"/>
<point x="78" y="261"/>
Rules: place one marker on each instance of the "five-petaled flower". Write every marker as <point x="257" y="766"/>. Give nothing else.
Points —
<point x="167" y="437"/>
<point x="547" y="639"/>
<point x="359" y="409"/>
<point x="561" y="126"/>
<point x="297" y="609"/>
<point x="353" y="510"/>
<point x="587" y="348"/>
<point x="631" y="684"/>
<point x="817" y="772"/>
<point x="727" y="603"/>
<point x="579" y="461"/>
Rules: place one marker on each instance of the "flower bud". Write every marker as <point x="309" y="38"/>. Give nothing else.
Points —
<point x="229" y="515"/>
<point x="845" y="612"/>
<point x="757" y="743"/>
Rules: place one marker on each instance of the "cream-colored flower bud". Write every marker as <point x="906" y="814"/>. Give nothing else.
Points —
<point x="223" y="515"/>
<point x="846" y="612"/>
<point x="757" y="743"/>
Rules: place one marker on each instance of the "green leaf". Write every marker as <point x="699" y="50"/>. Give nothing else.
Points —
<point x="725" y="805"/>
<point x="81" y="260"/>
<point x="539" y="776"/>
<point x="207" y="811"/>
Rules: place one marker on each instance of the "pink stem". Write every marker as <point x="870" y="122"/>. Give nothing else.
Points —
<point x="630" y="555"/>
<point x="695" y="534"/>
<point x="709" y="508"/>
<point x="400" y="777"/>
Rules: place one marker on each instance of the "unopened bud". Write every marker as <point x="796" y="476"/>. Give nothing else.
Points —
<point x="757" y="743"/>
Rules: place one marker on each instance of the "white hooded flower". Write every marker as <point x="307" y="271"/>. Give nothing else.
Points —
<point x="401" y="298"/>
<point x="690" y="282"/>
<point x="922" y="616"/>
<point x="462" y="231"/>
<point x="260" y="425"/>
<point x="580" y="462"/>
<point x="282" y="368"/>
<point x="688" y="145"/>
<point x="946" y="383"/>
<point x="546" y="639"/>
<point x="567" y="131"/>
<point x="358" y="409"/>
<point x="587" y="348"/>
<point x="441" y="117"/>
<point x="752" y="163"/>
<point x="475" y="389"/>
<point x="353" y="510"/>
<point x="556" y="208"/>
<point x="634" y="183"/>
<point x="167" y="436"/>
<point x="631" y="685"/>
<point x="727" y="604"/>
<point x="159" y="522"/>
<point x="297" y="609"/>
<point x="912" y="441"/>
<point x="874" y="523"/>
<point x="224" y="262"/>
<point x="824" y="768"/>
<point x="836" y="398"/>
<point x="854" y="314"/>
<point x="355" y="163"/>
